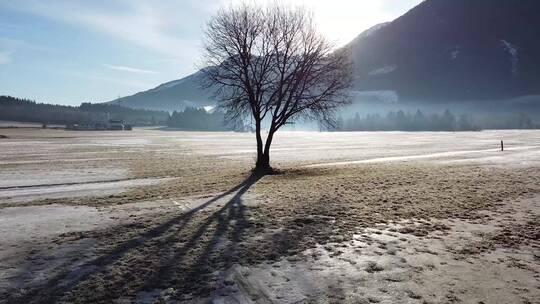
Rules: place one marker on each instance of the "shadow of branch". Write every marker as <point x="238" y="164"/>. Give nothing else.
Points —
<point x="233" y="210"/>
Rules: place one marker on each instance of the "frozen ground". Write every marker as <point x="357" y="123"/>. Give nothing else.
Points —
<point x="386" y="264"/>
<point x="27" y="193"/>
<point x="48" y="147"/>
<point x="134" y="216"/>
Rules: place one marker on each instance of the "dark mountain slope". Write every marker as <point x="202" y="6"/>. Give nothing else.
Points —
<point x="441" y="51"/>
<point x="170" y="96"/>
<point x="454" y="50"/>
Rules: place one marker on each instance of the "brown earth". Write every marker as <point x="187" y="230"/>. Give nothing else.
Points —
<point x="406" y="232"/>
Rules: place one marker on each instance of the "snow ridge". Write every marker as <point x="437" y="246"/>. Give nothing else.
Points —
<point x="512" y="50"/>
<point x="454" y="54"/>
<point x="384" y="70"/>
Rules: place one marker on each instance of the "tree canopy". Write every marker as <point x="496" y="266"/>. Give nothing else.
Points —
<point x="270" y="63"/>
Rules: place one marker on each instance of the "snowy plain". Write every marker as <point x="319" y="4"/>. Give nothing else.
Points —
<point x="57" y="185"/>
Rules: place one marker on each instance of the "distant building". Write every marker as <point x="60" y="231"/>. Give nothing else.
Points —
<point x="116" y="125"/>
<point x="100" y="126"/>
<point x="112" y="125"/>
<point x="81" y="127"/>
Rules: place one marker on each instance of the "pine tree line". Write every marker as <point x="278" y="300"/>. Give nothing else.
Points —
<point x="201" y="120"/>
<point x="24" y="110"/>
<point x="447" y="121"/>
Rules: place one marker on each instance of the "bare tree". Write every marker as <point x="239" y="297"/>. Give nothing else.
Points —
<point x="271" y="65"/>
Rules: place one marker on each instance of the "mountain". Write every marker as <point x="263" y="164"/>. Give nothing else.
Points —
<point x="451" y="50"/>
<point x="439" y="52"/>
<point x="170" y="96"/>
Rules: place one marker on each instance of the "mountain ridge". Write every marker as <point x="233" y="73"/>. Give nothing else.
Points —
<point x="170" y="96"/>
<point x="439" y="51"/>
<point x="454" y="50"/>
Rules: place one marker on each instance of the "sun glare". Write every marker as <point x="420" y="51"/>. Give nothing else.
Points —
<point x="342" y="20"/>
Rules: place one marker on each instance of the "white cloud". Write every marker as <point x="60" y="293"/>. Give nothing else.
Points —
<point x="174" y="27"/>
<point x="342" y="20"/>
<point x="128" y="69"/>
<point x="157" y="26"/>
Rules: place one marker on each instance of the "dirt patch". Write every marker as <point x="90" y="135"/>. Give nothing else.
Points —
<point x="371" y="233"/>
<point x="188" y="251"/>
<point x="515" y="235"/>
<point x="13" y="196"/>
<point x="383" y="265"/>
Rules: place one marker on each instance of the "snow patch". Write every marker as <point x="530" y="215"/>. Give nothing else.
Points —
<point x="209" y="109"/>
<point x="54" y="191"/>
<point x="513" y="52"/>
<point x="384" y="70"/>
<point x="455" y="52"/>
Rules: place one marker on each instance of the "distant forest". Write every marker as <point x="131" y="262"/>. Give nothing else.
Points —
<point x="446" y="121"/>
<point x="201" y="120"/>
<point x="16" y="109"/>
<point x="192" y="119"/>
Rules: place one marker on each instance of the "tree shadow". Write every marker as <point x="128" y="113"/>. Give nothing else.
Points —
<point x="216" y="238"/>
<point x="179" y="252"/>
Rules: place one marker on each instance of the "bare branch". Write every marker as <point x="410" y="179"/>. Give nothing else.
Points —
<point x="271" y="61"/>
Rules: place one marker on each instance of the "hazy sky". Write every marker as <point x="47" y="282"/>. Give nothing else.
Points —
<point x="73" y="51"/>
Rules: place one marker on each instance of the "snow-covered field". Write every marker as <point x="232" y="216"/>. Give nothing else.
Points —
<point x="150" y="214"/>
<point x="52" y="146"/>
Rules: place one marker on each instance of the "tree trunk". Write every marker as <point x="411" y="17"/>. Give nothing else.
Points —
<point x="260" y="165"/>
<point x="263" y="164"/>
<point x="263" y="155"/>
